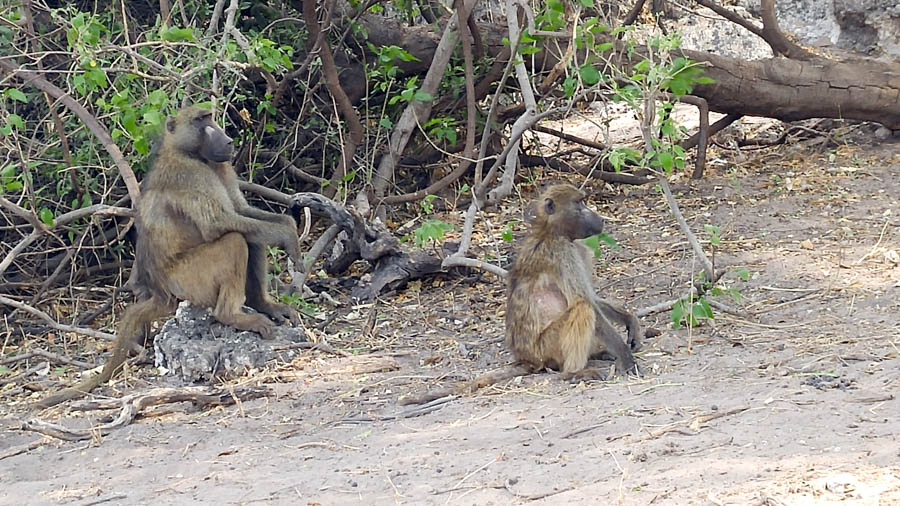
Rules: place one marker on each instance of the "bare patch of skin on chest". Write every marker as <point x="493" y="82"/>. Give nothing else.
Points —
<point x="551" y="301"/>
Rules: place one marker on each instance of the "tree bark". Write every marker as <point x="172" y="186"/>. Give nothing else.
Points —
<point x="792" y="90"/>
<point x="780" y="88"/>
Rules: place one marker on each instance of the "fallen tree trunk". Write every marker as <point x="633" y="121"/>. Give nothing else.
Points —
<point x="789" y="90"/>
<point x="792" y="90"/>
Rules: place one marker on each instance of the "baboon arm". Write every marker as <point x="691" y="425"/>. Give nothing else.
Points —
<point x="256" y="213"/>
<point x="214" y="218"/>
<point x="620" y="315"/>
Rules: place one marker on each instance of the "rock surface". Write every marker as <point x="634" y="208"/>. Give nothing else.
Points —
<point x="197" y="348"/>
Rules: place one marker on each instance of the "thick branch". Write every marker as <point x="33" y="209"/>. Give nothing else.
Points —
<point x="773" y="36"/>
<point x="792" y="90"/>
<point x="333" y="84"/>
<point x="417" y="111"/>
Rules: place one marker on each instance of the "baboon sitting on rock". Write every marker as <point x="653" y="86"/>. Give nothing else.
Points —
<point x="197" y="240"/>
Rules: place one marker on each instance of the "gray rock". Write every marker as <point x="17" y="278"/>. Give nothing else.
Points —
<point x="714" y="34"/>
<point x="197" y="348"/>
<point x="866" y="26"/>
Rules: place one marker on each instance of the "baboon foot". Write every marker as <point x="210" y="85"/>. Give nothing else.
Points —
<point x="281" y="313"/>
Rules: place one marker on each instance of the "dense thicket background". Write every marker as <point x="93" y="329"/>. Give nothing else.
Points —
<point x="407" y="123"/>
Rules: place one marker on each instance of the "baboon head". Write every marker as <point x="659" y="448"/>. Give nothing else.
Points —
<point x="561" y="211"/>
<point x="194" y="133"/>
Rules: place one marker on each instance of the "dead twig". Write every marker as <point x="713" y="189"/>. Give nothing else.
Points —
<point x="323" y="347"/>
<point x="692" y="423"/>
<point x="53" y="323"/>
<point x="27" y="447"/>
<point x="132" y="405"/>
<point x="31" y="370"/>
<point x="434" y="405"/>
<point x="484" y="380"/>
<point x="86" y="117"/>
<point x="332" y="83"/>
<point x="692" y="239"/>
<point x="53" y="357"/>
<point x="417" y="112"/>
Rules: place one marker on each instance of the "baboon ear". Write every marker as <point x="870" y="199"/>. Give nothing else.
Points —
<point x="170" y="125"/>
<point x="549" y="206"/>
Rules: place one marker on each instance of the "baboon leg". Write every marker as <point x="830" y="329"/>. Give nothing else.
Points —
<point x="214" y="275"/>
<point x="573" y="333"/>
<point x="257" y="298"/>
<point x="606" y="340"/>
<point x="136" y="317"/>
<point x="624" y="317"/>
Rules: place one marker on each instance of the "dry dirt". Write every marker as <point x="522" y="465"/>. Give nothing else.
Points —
<point x="794" y="400"/>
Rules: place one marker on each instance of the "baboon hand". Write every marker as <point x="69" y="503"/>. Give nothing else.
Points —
<point x="635" y="337"/>
<point x="292" y="248"/>
<point x="628" y="367"/>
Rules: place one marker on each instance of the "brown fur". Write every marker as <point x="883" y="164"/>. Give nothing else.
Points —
<point x="553" y="316"/>
<point x="198" y="240"/>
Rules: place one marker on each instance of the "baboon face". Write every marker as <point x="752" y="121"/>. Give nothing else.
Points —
<point x="196" y="134"/>
<point x="562" y="208"/>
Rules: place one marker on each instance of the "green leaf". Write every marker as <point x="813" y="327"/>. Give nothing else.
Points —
<point x="743" y="273"/>
<point x="713" y="232"/>
<point x="142" y="145"/>
<point x="507" y="234"/>
<point x="16" y="121"/>
<point x="433" y="229"/>
<point x="386" y="123"/>
<point x="47" y="216"/>
<point x="421" y="96"/>
<point x="666" y="161"/>
<point x="129" y="121"/>
<point x="617" y="159"/>
<point x="159" y="97"/>
<point x="15" y="94"/>
<point x="569" y="86"/>
<point x="153" y="117"/>
<point x="702" y="309"/>
<point x="177" y="34"/>
<point x="609" y="240"/>
<point x="589" y="75"/>
<point x="587" y="3"/>
<point x="97" y="77"/>
<point x="677" y="314"/>
<point x="604" y="47"/>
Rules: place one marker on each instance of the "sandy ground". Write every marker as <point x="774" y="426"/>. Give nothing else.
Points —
<point x="792" y="401"/>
